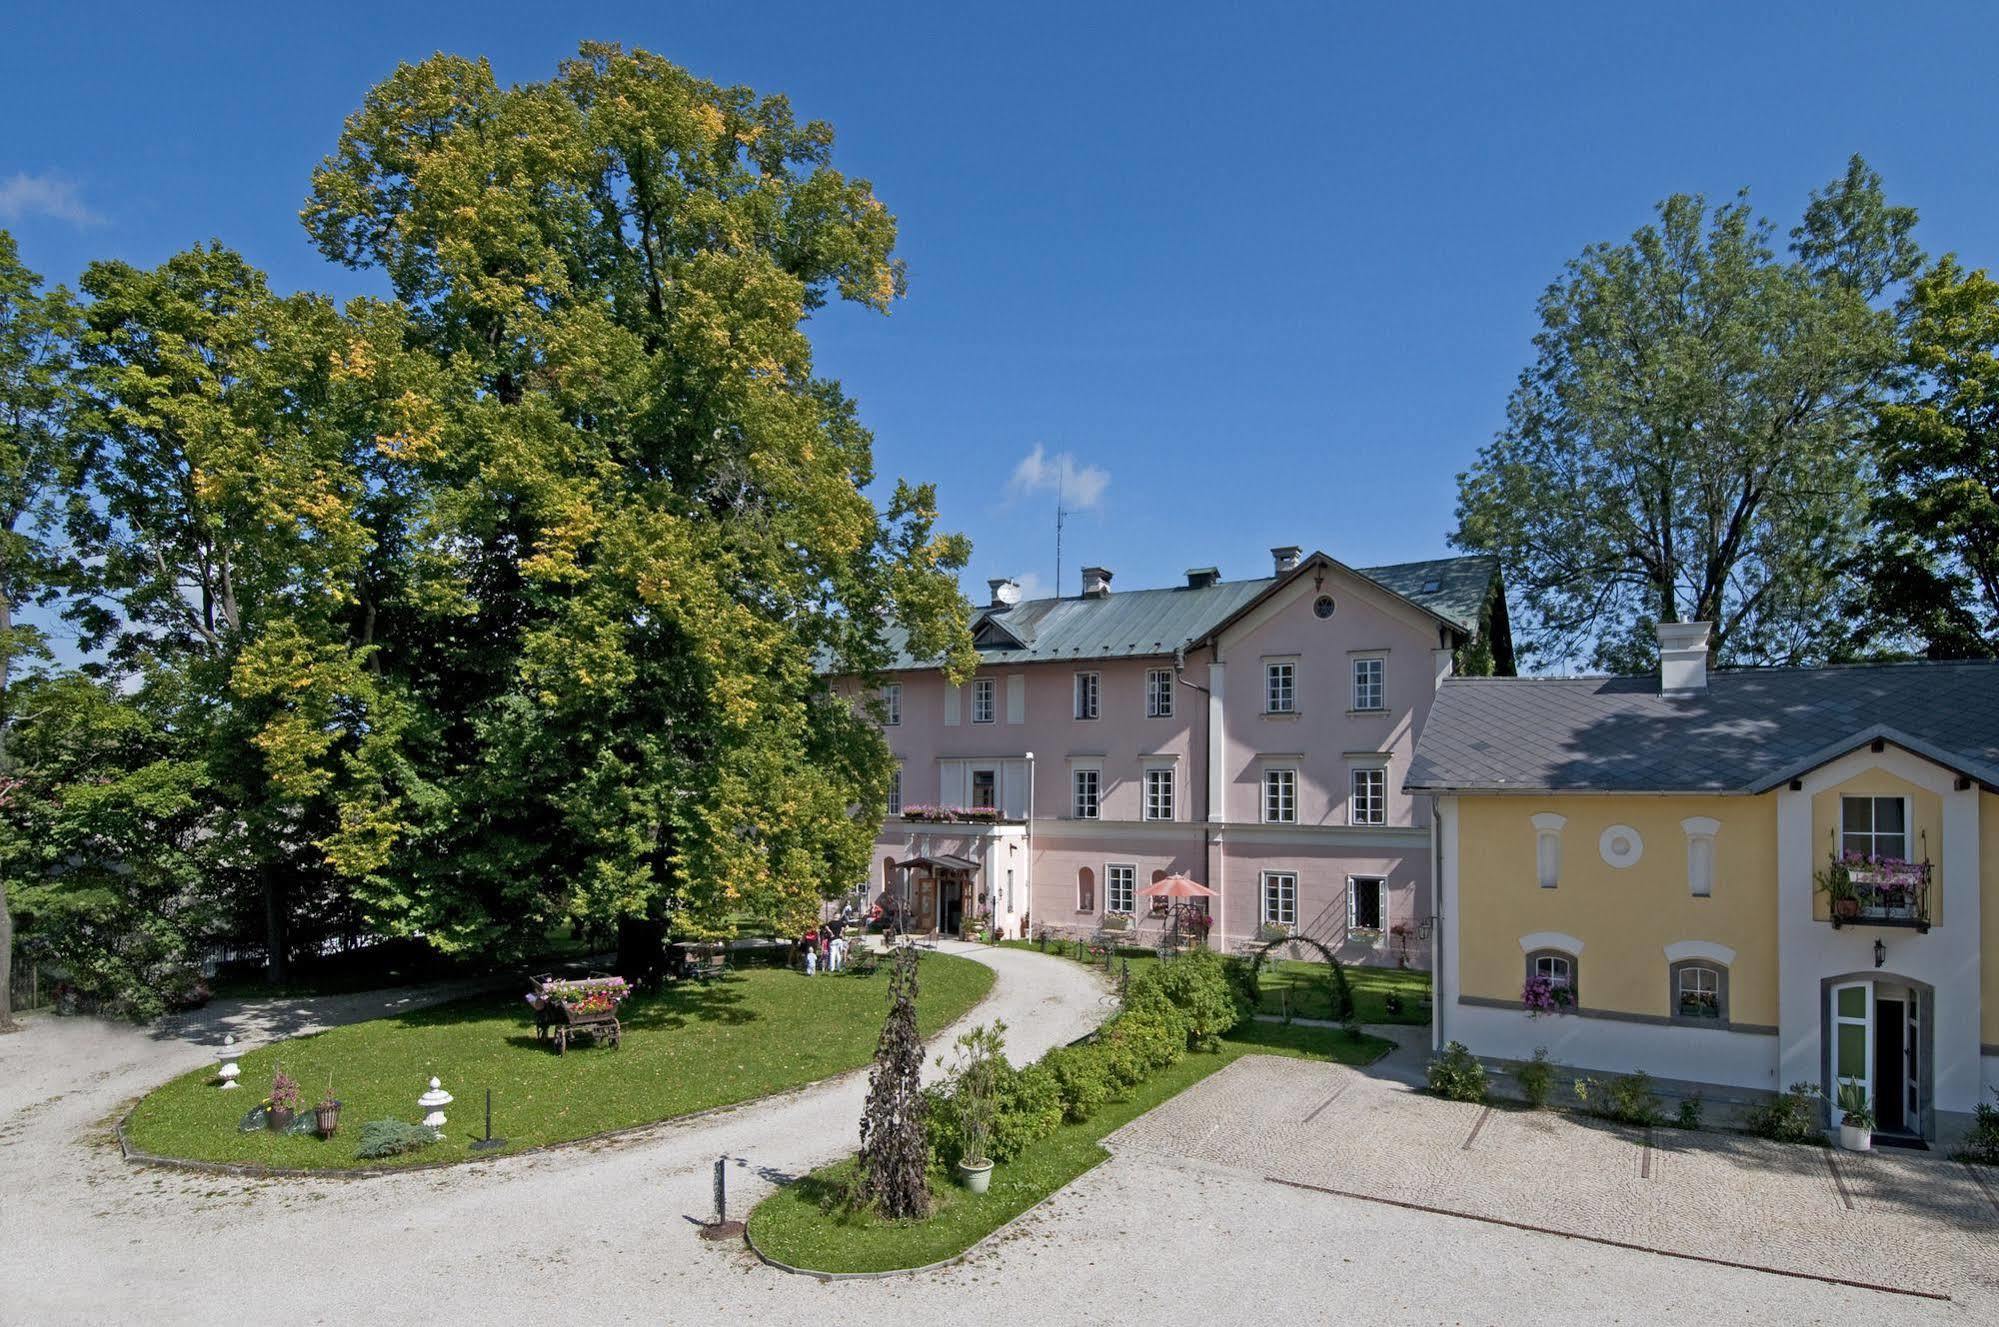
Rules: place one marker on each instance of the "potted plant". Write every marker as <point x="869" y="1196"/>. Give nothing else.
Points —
<point x="284" y="1100"/>
<point x="1836" y="880"/>
<point x="975" y="1093"/>
<point x="326" y="1115"/>
<point x="1856" y="1116"/>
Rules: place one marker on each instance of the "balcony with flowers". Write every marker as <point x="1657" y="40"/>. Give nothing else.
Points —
<point x="1875" y="891"/>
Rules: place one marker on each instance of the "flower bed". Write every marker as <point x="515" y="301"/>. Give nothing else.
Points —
<point x="952" y="815"/>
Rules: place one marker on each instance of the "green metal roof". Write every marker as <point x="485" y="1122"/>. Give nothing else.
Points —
<point x="1135" y="623"/>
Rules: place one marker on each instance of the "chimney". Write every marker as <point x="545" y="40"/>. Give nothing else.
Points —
<point x="1200" y="578"/>
<point x="1284" y="559"/>
<point x="1096" y="583"/>
<point x="1006" y="591"/>
<point x="1683" y="656"/>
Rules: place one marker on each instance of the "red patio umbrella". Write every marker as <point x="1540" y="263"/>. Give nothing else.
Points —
<point x="1176" y="886"/>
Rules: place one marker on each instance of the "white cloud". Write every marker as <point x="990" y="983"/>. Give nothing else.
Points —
<point x="1081" y="486"/>
<point x="23" y="195"/>
<point x="1031" y="586"/>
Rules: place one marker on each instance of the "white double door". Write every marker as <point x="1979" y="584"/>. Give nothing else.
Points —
<point x="1875" y="1028"/>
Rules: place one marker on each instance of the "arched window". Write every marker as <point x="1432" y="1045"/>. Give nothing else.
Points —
<point x="1698" y="993"/>
<point x="1561" y="969"/>
<point x="1700" y="832"/>
<point x="1548" y="848"/>
<point x="1086" y="889"/>
<point x="1160" y="903"/>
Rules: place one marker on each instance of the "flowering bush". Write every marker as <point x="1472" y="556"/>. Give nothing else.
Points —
<point x="1542" y="995"/>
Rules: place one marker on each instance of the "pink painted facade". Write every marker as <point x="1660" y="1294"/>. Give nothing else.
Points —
<point x="1258" y="802"/>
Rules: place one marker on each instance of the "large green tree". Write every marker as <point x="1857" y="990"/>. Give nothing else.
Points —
<point x="647" y="520"/>
<point x="36" y="484"/>
<point x="1689" y="443"/>
<point x="1932" y="570"/>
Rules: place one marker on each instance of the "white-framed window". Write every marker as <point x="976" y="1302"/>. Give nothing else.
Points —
<point x="1700" y="832"/>
<point x="1280" y="898"/>
<point x="1280" y="686"/>
<point x="982" y="700"/>
<point x="1367" y="903"/>
<point x="1875" y="827"/>
<point x="1369" y="676"/>
<point x="892" y="705"/>
<point x="1368" y="800"/>
<point x="895" y="792"/>
<point x="1120" y="888"/>
<point x="985" y="788"/>
<point x="1280" y="796"/>
<point x="1548" y="848"/>
<point x="1700" y="993"/>
<point x="1087" y="787"/>
<point x="1086" y="695"/>
<point x="1159" y="793"/>
<point x="1557" y="967"/>
<point x="1159" y="693"/>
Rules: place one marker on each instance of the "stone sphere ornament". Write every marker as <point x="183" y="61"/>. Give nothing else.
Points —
<point x="227" y="1057"/>
<point x="434" y="1101"/>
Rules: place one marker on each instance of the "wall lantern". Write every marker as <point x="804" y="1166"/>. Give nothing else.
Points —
<point x="1880" y="953"/>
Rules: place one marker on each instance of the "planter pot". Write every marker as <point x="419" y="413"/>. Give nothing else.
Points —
<point x="1855" y="1139"/>
<point x="281" y="1119"/>
<point x="1846" y="907"/>
<point x="975" y="1178"/>
<point x="327" y="1117"/>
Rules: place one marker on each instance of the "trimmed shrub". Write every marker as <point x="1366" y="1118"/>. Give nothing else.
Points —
<point x="1456" y="1075"/>
<point x="1198" y="986"/>
<point x="1536" y="1078"/>
<point x="1123" y="1059"/>
<point x="392" y="1138"/>
<point x="1690" y="1112"/>
<point x="1030" y="1110"/>
<point x="1082" y="1080"/>
<point x="1158" y="1035"/>
<point x="1627" y="1099"/>
<point x="1241" y="975"/>
<point x="1981" y="1145"/>
<point x="1788" y="1117"/>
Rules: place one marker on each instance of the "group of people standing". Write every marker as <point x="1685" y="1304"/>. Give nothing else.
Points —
<point x="825" y="947"/>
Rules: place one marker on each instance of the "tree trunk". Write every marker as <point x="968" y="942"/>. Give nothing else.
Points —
<point x="277" y="938"/>
<point x="7" y="1023"/>
<point x="642" y="951"/>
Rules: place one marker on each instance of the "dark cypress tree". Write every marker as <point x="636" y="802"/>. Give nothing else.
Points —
<point x="895" y="1152"/>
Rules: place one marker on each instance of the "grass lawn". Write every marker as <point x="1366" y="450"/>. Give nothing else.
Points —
<point x="689" y="1048"/>
<point x="804" y="1224"/>
<point x="1303" y="982"/>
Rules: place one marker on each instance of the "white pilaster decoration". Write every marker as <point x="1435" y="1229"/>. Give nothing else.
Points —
<point x="1700" y="832"/>
<point x="1548" y="848"/>
<point x="1016" y="698"/>
<point x="951" y="702"/>
<point x="1218" y="746"/>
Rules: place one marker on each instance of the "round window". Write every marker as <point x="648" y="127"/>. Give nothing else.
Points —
<point x="1621" y="846"/>
<point x="1323" y="605"/>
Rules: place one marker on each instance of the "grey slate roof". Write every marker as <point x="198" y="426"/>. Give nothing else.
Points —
<point x="1752" y="729"/>
<point x="1131" y="623"/>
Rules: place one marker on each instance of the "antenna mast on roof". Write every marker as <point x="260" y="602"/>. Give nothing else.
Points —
<point x="1061" y="473"/>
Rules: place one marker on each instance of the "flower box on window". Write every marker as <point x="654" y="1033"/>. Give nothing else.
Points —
<point x="951" y="815"/>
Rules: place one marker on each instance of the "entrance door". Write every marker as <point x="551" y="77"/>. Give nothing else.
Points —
<point x="950" y="903"/>
<point x="1890" y="1066"/>
<point x="1852" y="1039"/>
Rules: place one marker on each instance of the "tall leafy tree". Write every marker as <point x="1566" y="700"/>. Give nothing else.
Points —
<point x="1688" y="444"/>
<point x="649" y="521"/>
<point x="36" y="481"/>
<point x="1933" y="568"/>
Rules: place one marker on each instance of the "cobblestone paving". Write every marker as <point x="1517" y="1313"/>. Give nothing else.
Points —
<point x="1902" y="1220"/>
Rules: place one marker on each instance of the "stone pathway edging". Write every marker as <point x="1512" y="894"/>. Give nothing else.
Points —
<point x="1610" y="1243"/>
<point x="250" y="1170"/>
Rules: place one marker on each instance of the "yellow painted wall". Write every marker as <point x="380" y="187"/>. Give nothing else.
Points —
<point x="1925" y="828"/>
<point x="1624" y="917"/>
<point x="1988" y="913"/>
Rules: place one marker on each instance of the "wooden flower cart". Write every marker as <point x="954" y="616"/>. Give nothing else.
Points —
<point x="568" y="1008"/>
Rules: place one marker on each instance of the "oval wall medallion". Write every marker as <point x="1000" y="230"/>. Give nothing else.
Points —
<point x="1621" y="846"/>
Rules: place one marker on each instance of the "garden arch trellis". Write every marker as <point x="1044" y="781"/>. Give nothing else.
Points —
<point x="1342" y="997"/>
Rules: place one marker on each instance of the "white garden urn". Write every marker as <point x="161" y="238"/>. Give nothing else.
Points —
<point x="434" y="1101"/>
<point x="227" y="1057"/>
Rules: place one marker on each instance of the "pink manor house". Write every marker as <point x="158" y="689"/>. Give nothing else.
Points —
<point x="1252" y="735"/>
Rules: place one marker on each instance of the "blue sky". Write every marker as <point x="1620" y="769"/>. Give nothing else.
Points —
<point x="1265" y="273"/>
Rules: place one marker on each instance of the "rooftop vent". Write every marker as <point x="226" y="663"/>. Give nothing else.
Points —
<point x="1284" y="559"/>
<point x="1200" y="578"/>
<point x="1096" y="583"/>
<point x="1006" y="591"/>
<point x="1683" y="656"/>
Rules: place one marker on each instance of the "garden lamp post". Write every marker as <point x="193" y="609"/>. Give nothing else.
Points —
<point x="434" y="1101"/>
<point x="227" y="1057"/>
